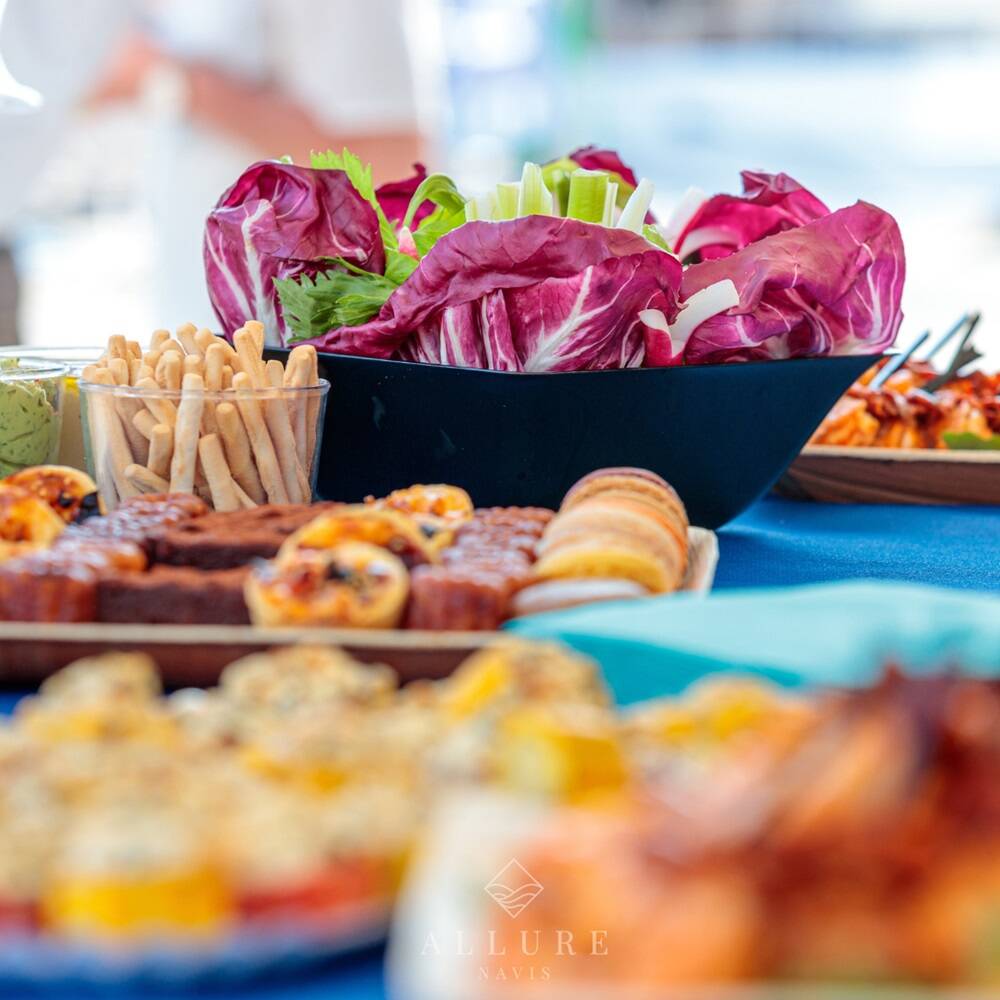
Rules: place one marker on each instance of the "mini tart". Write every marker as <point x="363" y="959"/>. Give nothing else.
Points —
<point x="615" y="518"/>
<point x="450" y="503"/>
<point x="353" y="584"/>
<point x="400" y="533"/>
<point x="72" y="494"/>
<point x="25" y="519"/>
<point x="637" y="483"/>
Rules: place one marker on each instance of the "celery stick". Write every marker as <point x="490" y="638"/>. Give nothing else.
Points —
<point x="506" y="201"/>
<point x="480" y="208"/>
<point x="610" y="201"/>
<point x="588" y="191"/>
<point x="634" y="213"/>
<point x="536" y="198"/>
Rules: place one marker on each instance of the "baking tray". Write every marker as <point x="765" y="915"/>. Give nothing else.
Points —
<point x="195" y="655"/>
<point x="720" y="434"/>
<point x="836" y="474"/>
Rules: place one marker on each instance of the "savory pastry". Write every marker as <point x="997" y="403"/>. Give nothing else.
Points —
<point x="393" y="530"/>
<point x="72" y="494"/>
<point x="511" y="671"/>
<point x="352" y="584"/>
<point x="133" y="874"/>
<point x="286" y="679"/>
<point x="552" y="595"/>
<point x="439" y="500"/>
<point x="26" y="522"/>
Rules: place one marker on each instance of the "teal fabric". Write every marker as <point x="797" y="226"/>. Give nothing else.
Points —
<point x="831" y="634"/>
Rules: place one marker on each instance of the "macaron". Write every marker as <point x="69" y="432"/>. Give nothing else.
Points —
<point x="625" y="519"/>
<point x="606" y="556"/>
<point x="636" y="483"/>
<point x="551" y="595"/>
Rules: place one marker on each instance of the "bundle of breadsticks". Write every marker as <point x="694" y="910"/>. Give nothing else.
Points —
<point x="202" y="420"/>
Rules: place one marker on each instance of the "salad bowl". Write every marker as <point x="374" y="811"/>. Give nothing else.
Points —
<point x="720" y="434"/>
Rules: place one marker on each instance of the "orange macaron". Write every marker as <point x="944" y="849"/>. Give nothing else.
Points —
<point x="637" y="484"/>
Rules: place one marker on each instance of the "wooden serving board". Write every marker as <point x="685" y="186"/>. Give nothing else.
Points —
<point x="195" y="655"/>
<point x="893" y="475"/>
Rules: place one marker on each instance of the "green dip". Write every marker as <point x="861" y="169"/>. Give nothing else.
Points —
<point x="29" y="415"/>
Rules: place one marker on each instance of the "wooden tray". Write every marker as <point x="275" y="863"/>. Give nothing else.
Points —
<point x="194" y="655"/>
<point x="893" y="475"/>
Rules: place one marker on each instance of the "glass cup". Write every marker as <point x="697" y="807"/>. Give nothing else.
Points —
<point x="234" y="449"/>
<point x="31" y="398"/>
<point x="75" y="359"/>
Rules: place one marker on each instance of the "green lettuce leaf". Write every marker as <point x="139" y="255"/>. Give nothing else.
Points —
<point x="967" y="441"/>
<point x="438" y="189"/>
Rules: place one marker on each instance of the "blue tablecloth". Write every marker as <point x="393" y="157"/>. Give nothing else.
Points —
<point x="777" y="542"/>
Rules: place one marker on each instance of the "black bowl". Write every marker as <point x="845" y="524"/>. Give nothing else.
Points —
<point x="720" y="434"/>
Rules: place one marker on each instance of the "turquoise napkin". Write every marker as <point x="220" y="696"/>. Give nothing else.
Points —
<point x="830" y="634"/>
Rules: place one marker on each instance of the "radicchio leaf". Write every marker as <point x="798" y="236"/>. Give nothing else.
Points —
<point x="394" y="197"/>
<point x="832" y="286"/>
<point x="279" y="220"/>
<point x="771" y="203"/>
<point x="532" y="294"/>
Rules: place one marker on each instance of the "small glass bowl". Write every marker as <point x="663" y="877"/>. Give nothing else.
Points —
<point x="31" y="401"/>
<point x="75" y="359"/>
<point x="263" y="449"/>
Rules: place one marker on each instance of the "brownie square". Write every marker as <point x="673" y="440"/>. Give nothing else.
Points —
<point x="174" y="595"/>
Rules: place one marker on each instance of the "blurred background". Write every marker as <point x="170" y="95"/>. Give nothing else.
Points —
<point x="153" y="107"/>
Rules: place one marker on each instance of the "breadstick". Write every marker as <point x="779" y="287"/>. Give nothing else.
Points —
<point x="134" y="349"/>
<point x="171" y="345"/>
<point x="245" y="502"/>
<point x="238" y="451"/>
<point x="161" y="450"/>
<point x="119" y="370"/>
<point x="298" y="375"/>
<point x="127" y="408"/>
<point x="117" y="346"/>
<point x="135" y="372"/>
<point x="256" y="330"/>
<point x="227" y="376"/>
<point x="194" y="363"/>
<point x="163" y="409"/>
<point x="145" y="481"/>
<point x="159" y="338"/>
<point x="215" y="361"/>
<point x="185" y="457"/>
<point x="89" y="373"/>
<point x="249" y="356"/>
<point x="280" y="428"/>
<point x="115" y="454"/>
<point x="260" y="440"/>
<point x="144" y="422"/>
<point x="169" y="371"/>
<point x="204" y="338"/>
<point x="145" y="371"/>
<point x="220" y="482"/>
<point x="185" y="334"/>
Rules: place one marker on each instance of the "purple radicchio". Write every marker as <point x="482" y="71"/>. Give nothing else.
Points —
<point x="533" y="294"/>
<point x="723" y="224"/>
<point x="279" y="220"/>
<point x="832" y="286"/>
